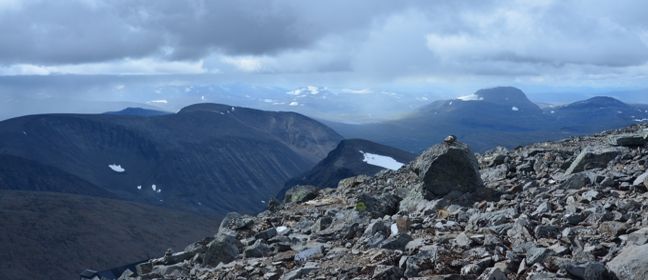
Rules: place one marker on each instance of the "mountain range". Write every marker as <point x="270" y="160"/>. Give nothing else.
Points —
<point x="501" y="116"/>
<point x="208" y="159"/>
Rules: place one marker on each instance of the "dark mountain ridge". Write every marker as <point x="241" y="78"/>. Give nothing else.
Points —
<point x="207" y="158"/>
<point x="18" y="173"/>
<point x="136" y="111"/>
<point x="346" y="160"/>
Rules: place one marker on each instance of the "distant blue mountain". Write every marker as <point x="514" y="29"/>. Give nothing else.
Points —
<point x="501" y="116"/>
<point x="130" y="111"/>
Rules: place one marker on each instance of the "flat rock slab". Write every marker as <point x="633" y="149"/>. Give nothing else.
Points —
<point x="631" y="263"/>
<point x="305" y="254"/>
<point x="626" y="140"/>
<point x="593" y="157"/>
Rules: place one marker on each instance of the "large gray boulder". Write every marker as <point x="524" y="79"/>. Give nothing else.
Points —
<point x="379" y="204"/>
<point x="631" y="263"/>
<point x="587" y="270"/>
<point x="301" y="193"/>
<point x="593" y="157"/>
<point x="626" y="140"/>
<point x="446" y="167"/>
<point x="223" y="249"/>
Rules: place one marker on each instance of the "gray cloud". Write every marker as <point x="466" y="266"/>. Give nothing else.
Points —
<point x="92" y="31"/>
<point x="377" y="42"/>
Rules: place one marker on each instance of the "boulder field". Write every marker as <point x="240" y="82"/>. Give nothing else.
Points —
<point x="568" y="209"/>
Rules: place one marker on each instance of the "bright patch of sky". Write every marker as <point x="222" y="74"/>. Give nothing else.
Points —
<point x="357" y="91"/>
<point x="147" y="66"/>
<point x="116" y="168"/>
<point x="295" y="92"/>
<point x="309" y="89"/>
<point x="382" y="161"/>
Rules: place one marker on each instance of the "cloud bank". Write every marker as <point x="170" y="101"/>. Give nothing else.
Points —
<point x="348" y="44"/>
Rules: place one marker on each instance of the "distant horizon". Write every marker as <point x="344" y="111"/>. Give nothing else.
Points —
<point x="554" y="51"/>
<point x="179" y="101"/>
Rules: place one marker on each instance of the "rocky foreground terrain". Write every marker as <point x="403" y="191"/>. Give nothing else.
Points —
<point x="569" y="209"/>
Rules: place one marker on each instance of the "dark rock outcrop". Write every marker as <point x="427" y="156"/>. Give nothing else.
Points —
<point x="448" y="167"/>
<point x="301" y="194"/>
<point x="345" y="161"/>
<point x="540" y="225"/>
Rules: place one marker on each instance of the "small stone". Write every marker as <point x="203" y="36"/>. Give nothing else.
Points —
<point x="463" y="240"/>
<point x="397" y="242"/>
<point x="612" y="228"/>
<point x="538" y="255"/>
<point x="266" y="234"/>
<point x="387" y="272"/>
<point x="403" y="224"/>
<point x="492" y="273"/>
<point x="306" y="254"/>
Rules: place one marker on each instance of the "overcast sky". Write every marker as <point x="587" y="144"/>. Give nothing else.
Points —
<point x="455" y="47"/>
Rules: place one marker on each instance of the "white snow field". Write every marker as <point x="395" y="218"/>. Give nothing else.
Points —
<point x="382" y="161"/>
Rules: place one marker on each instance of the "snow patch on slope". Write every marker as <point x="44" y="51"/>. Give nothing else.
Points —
<point x="382" y="161"/>
<point x="470" y="97"/>
<point x="116" y="168"/>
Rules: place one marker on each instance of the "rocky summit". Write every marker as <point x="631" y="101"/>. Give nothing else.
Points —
<point x="567" y="209"/>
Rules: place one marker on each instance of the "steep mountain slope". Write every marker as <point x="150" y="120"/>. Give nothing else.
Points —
<point x="207" y="158"/>
<point x="597" y="113"/>
<point x="55" y="236"/>
<point x="350" y="158"/>
<point x="17" y="173"/>
<point x="501" y="116"/>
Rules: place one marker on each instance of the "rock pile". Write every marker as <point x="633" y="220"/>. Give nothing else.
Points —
<point x="569" y="209"/>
